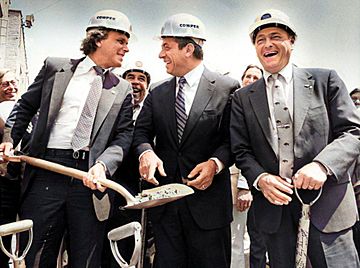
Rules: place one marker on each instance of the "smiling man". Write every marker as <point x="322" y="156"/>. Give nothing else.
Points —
<point x="85" y="122"/>
<point x="297" y="127"/>
<point x="188" y="117"/>
<point x="139" y="79"/>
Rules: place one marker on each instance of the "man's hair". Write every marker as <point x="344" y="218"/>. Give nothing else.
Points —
<point x="183" y="41"/>
<point x="93" y="36"/>
<point x="3" y="72"/>
<point x="249" y="67"/>
<point x="292" y="35"/>
<point x="356" y="90"/>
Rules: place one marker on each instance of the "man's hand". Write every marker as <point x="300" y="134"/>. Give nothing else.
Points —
<point x="149" y="162"/>
<point x="5" y="147"/>
<point x="243" y="199"/>
<point x="91" y="180"/>
<point x="311" y="176"/>
<point x="205" y="172"/>
<point x="275" y="189"/>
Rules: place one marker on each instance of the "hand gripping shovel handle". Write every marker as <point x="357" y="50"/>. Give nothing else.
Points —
<point x="75" y="173"/>
<point x="148" y="198"/>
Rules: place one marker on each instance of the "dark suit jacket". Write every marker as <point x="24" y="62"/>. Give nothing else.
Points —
<point x="206" y="135"/>
<point x="326" y="129"/>
<point x="112" y="131"/>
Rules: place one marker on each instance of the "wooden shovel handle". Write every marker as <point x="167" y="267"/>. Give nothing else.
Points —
<point x="77" y="174"/>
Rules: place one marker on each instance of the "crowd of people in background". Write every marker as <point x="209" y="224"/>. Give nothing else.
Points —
<point x="275" y="157"/>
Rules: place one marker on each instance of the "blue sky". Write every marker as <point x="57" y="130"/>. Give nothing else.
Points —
<point x="328" y="31"/>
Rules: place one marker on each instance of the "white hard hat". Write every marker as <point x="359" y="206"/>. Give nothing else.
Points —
<point x="111" y="19"/>
<point x="137" y="66"/>
<point x="271" y="18"/>
<point x="184" y="25"/>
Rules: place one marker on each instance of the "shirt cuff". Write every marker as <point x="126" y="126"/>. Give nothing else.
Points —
<point x="255" y="184"/>
<point x="102" y="163"/>
<point x="242" y="183"/>
<point x="328" y="170"/>
<point x="148" y="150"/>
<point x="219" y="165"/>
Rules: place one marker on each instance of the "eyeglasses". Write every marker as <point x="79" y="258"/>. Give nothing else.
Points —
<point x="8" y="83"/>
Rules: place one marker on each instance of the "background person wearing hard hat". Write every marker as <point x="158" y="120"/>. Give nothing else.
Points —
<point x="188" y="116"/>
<point x="63" y="91"/>
<point x="128" y="174"/>
<point x="139" y="79"/>
<point x="297" y="127"/>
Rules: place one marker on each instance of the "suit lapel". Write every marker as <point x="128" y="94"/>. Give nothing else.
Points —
<point x="106" y="101"/>
<point x="303" y="90"/>
<point x="169" y="106"/>
<point x="202" y="97"/>
<point x="259" y="103"/>
<point x="61" y="81"/>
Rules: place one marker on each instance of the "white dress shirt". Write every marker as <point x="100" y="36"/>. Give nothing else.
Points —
<point x="192" y="82"/>
<point x="190" y="88"/>
<point x="73" y="102"/>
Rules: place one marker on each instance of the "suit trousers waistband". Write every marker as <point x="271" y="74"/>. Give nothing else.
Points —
<point x="68" y="153"/>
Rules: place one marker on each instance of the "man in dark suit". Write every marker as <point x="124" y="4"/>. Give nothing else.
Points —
<point x="310" y="143"/>
<point x="191" y="146"/>
<point x="62" y="92"/>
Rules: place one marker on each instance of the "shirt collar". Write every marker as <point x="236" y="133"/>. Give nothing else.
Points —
<point x="85" y="66"/>
<point x="286" y="72"/>
<point x="194" y="75"/>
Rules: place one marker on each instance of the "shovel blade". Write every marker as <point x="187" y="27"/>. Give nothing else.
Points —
<point x="160" y="195"/>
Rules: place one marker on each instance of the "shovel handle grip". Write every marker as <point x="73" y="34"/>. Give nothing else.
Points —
<point x="15" y="227"/>
<point x="77" y="174"/>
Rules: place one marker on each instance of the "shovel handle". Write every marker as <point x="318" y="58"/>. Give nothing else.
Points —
<point x="77" y="174"/>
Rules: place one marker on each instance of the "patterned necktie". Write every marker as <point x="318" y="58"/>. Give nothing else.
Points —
<point x="181" y="116"/>
<point x="284" y="128"/>
<point x="82" y="132"/>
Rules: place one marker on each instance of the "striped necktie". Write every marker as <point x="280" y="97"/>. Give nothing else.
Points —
<point x="181" y="116"/>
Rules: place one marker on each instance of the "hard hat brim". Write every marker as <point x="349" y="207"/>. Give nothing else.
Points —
<point x="271" y="22"/>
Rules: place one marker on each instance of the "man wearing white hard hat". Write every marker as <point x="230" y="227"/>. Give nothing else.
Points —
<point x="295" y="134"/>
<point x="139" y="79"/>
<point x="188" y="117"/>
<point x="85" y="122"/>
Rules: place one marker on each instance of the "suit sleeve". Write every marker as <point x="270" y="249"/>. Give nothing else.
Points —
<point x="121" y="139"/>
<point x="25" y="109"/>
<point x="241" y="146"/>
<point x="223" y="152"/>
<point x="144" y="129"/>
<point x="344" y="130"/>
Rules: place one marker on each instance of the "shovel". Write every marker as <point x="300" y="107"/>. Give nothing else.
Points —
<point x="146" y="199"/>
<point x="302" y="242"/>
<point x="15" y="228"/>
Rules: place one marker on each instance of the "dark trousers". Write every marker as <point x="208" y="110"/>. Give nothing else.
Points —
<point x="324" y="249"/>
<point x="9" y="199"/>
<point x="356" y="234"/>
<point x="58" y="203"/>
<point x="181" y="243"/>
<point x="257" y="242"/>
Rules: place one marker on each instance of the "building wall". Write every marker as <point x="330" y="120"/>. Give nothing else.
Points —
<point x="12" y="44"/>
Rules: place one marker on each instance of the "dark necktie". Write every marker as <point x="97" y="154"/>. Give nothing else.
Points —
<point x="82" y="132"/>
<point x="181" y="116"/>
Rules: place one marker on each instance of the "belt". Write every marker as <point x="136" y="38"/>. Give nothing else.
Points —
<point x="69" y="153"/>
